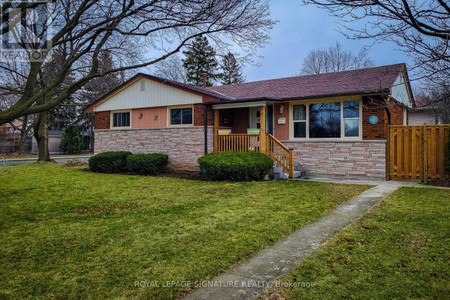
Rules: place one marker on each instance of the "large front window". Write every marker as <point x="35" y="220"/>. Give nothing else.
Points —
<point x="181" y="116"/>
<point x="325" y="120"/>
<point x="340" y="119"/>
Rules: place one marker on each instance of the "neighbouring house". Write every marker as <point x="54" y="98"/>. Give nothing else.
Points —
<point x="326" y="124"/>
<point x="423" y="114"/>
<point x="10" y="137"/>
<point x="55" y="137"/>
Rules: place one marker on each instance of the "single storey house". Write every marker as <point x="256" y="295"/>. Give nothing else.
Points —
<point x="326" y="124"/>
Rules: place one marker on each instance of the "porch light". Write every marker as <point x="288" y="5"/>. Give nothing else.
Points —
<point x="281" y="108"/>
<point x="140" y="116"/>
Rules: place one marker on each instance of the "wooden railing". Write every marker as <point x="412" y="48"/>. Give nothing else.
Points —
<point x="238" y="142"/>
<point x="282" y="155"/>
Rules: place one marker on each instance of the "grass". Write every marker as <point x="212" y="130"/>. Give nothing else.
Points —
<point x="70" y="233"/>
<point x="16" y="155"/>
<point x="398" y="250"/>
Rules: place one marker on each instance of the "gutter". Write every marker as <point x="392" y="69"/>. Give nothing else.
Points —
<point x="243" y="100"/>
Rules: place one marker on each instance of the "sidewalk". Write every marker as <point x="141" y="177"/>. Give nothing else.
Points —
<point x="248" y="279"/>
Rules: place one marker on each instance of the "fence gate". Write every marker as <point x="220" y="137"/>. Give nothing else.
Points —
<point x="417" y="152"/>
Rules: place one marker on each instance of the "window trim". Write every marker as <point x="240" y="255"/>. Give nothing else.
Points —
<point x="300" y="121"/>
<point x="111" y="119"/>
<point x="169" y="108"/>
<point x="337" y="99"/>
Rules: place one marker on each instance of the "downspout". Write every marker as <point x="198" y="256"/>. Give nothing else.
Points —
<point x="388" y="112"/>
<point x="205" y="118"/>
<point x="205" y="122"/>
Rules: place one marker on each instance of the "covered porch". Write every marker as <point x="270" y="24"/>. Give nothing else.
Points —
<point x="250" y="127"/>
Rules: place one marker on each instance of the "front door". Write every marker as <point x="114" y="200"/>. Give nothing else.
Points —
<point x="255" y="118"/>
<point x="269" y="119"/>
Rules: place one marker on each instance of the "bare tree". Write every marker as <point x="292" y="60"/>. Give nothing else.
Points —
<point x="171" y="68"/>
<point x="334" y="59"/>
<point x="420" y="28"/>
<point x="129" y="29"/>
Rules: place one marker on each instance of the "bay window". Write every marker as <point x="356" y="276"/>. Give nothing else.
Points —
<point x="322" y="120"/>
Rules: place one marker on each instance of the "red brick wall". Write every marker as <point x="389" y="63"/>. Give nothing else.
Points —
<point x="374" y="107"/>
<point x="199" y="115"/>
<point x="226" y="117"/>
<point x="396" y="113"/>
<point x="101" y="120"/>
<point x="281" y="131"/>
<point x="377" y="107"/>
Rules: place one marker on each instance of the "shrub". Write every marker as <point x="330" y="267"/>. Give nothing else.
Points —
<point x="72" y="142"/>
<point x="147" y="164"/>
<point x="235" y="166"/>
<point x="109" y="162"/>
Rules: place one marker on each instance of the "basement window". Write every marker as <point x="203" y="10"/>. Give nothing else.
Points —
<point x="121" y="119"/>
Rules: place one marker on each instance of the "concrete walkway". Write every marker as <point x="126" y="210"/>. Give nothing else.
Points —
<point x="250" y="278"/>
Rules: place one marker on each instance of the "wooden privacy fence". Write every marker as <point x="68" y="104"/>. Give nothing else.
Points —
<point x="417" y="152"/>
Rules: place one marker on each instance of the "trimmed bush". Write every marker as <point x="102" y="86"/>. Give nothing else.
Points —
<point x="235" y="166"/>
<point x="109" y="162"/>
<point x="147" y="164"/>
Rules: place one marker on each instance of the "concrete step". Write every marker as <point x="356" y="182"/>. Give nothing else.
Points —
<point x="283" y="175"/>
<point x="277" y="170"/>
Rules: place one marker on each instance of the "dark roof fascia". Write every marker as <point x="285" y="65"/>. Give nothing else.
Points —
<point x="365" y="93"/>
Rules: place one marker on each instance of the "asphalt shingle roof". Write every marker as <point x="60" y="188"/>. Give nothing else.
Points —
<point x="367" y="80"/>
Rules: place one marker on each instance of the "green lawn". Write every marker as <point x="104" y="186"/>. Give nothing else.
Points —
<point x="398" y="250"/>
<point x="70" y="233"/>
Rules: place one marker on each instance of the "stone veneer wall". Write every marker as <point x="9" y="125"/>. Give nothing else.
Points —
<point x="357" y="159"/>
<point x="183" y="144"/>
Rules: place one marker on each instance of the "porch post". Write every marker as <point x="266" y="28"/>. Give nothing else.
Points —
<point x="262" y="132"/>
<point x="216" y="129"/>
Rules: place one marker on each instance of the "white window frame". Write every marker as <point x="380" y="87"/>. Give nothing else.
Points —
<point x="338" y="99"/>
<point x="111" y="119"/>
<point x="300" y="121"/>
<point x="169" y="108"/>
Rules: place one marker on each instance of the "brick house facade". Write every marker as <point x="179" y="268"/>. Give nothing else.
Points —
<point x="150" y="114"/>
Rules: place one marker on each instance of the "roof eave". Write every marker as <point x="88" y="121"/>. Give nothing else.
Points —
<point x="363" y="93"/>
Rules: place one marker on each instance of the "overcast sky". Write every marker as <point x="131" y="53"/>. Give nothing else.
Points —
<point x="301" y="29"/>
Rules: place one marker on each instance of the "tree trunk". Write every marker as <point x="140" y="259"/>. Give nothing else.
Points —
<point x="91" y="132"/>
<point x="23" y="135"/>
<point x="41" y="135"/>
